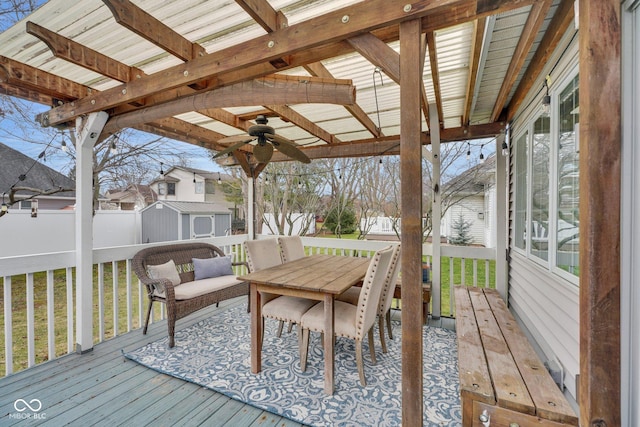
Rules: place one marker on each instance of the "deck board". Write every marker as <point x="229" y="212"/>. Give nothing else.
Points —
<point x="103" y="388"/>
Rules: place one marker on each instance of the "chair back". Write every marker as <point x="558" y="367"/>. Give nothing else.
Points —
<point x="386" y="297"/>
<point x="371" y="288"/>
<point x="262" y="254"/>
<point x="291" y="248"/>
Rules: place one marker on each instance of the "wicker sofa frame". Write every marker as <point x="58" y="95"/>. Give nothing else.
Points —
<point x="181" y="254"/>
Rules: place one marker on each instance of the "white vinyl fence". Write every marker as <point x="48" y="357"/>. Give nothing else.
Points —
<point x="54" y="231"/>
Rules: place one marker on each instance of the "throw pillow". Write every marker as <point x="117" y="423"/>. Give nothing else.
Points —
<point x="211" y="267"/>
<point x="164" y="271"/>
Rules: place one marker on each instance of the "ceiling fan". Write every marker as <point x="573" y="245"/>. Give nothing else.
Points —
<point x="267" y="140"/>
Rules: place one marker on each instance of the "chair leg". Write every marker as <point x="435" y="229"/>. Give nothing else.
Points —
<point x="280" y="326"/>
<point x="363" y="381"/>
<point x="372" y="348"/>
<point x="304" y="348"/>
<point x="171" y="325"/>
<point x="381" y="328"/>
<point x="388" y="316"/>
<point x="290" y="327"/>
<point x="146" y="323"/>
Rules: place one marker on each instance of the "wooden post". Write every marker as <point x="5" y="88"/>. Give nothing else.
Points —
<point x="436" y="213"/>
<point x="600" y="190"/>
<point x="88" y="132"/>
<point x="411" y="240"/>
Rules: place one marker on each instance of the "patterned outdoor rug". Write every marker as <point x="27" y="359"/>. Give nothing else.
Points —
<point x="215" y="353"/>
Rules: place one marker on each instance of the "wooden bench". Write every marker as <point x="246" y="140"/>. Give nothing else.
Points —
<point x="502" y="380"/>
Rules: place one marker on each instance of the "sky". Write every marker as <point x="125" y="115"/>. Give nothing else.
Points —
<point x="16" y="131"/>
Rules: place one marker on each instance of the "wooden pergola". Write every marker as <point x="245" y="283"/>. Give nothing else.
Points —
<point x="258" y="71"/>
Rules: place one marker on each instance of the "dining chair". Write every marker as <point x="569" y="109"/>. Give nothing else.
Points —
<point x="263" y="254"/>
<point x="352" y="321"/>
<point x="291" y="248"/>
<point x="352" y="295"/>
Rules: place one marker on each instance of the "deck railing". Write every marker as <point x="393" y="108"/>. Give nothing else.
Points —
<point x="38" y="298"/>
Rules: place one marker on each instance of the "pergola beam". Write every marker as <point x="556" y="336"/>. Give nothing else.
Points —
<point x="276" y="89"/>
<point x="143" y="24"/>
<point x="558" y="26"/>
<point x="238" y="62"/>
<point x="287" y="113"/>
<point x="474" y="64"/>
<point x="435" y="75"/>
<point x="530" y="31"/>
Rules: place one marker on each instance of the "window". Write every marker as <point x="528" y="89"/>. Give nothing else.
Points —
<point x="546" y="184"/>
<point x="171" y="188"/>
<point x="539" y="226"/>
<point x="199" y="187"/>
<point x="567" y="230"/>
<point x="162" y="188"/>
<point x="521" y="167"/>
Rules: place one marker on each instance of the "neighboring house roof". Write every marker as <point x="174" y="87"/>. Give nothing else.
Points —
<point x="133" y="190"/>
<point x="36" y="175"/>
<point x="474" y="179"/>
<point x="192" y="207"/>
<point x="207" y="175"/>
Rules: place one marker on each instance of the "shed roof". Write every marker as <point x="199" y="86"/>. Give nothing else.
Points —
<point x="191" y="207"/>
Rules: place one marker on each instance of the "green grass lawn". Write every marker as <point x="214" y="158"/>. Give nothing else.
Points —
<point x="19" y="313"/>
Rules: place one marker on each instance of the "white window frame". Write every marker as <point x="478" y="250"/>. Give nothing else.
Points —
<point x="527" y="129"/>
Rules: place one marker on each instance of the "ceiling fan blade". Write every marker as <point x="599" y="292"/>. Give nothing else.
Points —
<point x="236" y="138"/>
<point x="231" y="148"/>
<point x="288" y="148"/>
<point x="263" y="152"/>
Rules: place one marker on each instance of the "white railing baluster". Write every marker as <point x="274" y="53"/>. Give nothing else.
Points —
<point x="8" y="326"/>
<point x="31" y="351"/>
<point x="475" y="272"/>
<point x="101" y="301"/>
<point x="70" y="324"/>
<point x="116" y="297"/>
<point x="463" y="272"/>
<point x="51" y="317"/>
<point x="129" y="299"/>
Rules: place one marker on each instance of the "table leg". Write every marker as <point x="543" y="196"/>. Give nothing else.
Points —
<point x="329" y="359"/>
<point x="256" y="330"/>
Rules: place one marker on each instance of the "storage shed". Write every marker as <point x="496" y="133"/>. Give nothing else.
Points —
<point x="170" y="220"/>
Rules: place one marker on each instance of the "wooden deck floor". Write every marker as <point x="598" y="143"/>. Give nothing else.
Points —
<point x="103" y="388"/>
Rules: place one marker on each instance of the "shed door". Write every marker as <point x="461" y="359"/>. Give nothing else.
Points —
<point x="202" y="226"/>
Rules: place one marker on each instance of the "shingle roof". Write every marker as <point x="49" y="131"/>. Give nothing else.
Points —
<point x="14" y="164"/>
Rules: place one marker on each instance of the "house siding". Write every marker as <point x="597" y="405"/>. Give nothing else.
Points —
<point x="545" y="304"/>
<point x="473" y="211"/>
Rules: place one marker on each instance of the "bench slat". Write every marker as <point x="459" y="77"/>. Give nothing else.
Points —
<point x="510" y="388"/>
<point x="475" y="382"/>
<point x="548" y="399"/>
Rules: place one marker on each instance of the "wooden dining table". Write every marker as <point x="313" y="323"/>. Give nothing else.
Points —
<point x="317" y="277"/>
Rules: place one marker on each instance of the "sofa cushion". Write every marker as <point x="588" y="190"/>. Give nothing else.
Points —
<point x="164" y="271"/>
<point x="200" y="287"/>
<point x="211" y="267"/>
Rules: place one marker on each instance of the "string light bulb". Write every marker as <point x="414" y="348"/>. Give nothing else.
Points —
<point x="161" y="171"/>
<point x="505" y="148"/>
<point x="546" y="100"/>
<point x="481" y="154"/>
<point x="468" y="151"/>
<point x="113" y="148"/>
<point x="63" y="146"/>
<point x="194" y="177"/>
<point x="4" y="207"/>
<point x="219" y="179"/>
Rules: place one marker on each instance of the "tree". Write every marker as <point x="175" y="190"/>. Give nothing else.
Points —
<point x="461" y="231"/>
<point x="341" y="219"/>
